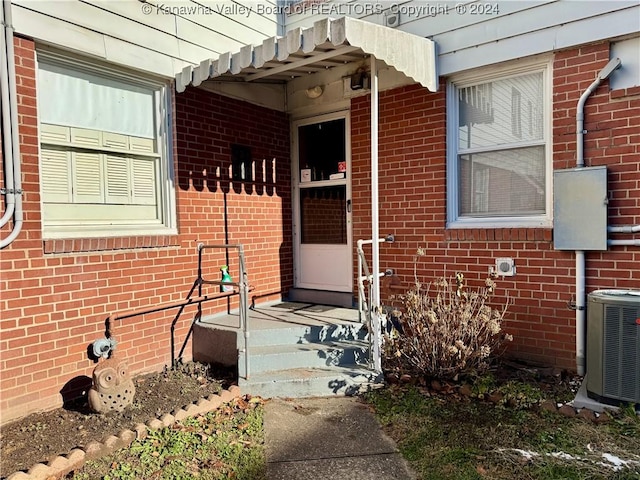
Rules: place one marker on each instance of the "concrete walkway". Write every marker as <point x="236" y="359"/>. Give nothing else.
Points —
<point x="334" y="438"/>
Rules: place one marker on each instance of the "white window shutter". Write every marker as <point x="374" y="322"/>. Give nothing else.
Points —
<point x="55" y="175"/>
<point x="54" y="134"/>
<point x="144" y="181"/>
<point x="88" y="186"/>
<point x="142" y="145"/>
<point x="118" y="179"/>
<point x="85" y="138"/>
<point x="115" y="140"/>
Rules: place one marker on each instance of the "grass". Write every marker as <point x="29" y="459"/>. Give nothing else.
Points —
<point x="444" y="437"/>
<point x="226" y="443"/>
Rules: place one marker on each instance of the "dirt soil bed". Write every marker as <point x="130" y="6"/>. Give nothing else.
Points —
<point x="41" y="436"/>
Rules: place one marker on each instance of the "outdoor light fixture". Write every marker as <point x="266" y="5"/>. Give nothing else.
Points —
<point x="314" y="92"/>
<point x="359" y="81"/>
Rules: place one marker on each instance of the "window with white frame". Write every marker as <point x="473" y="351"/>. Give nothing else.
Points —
<point x="499" y="163"/>
<point x="105" y="167"/>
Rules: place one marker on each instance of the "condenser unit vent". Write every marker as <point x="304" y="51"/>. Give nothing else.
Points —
<point x="613" y="346"/>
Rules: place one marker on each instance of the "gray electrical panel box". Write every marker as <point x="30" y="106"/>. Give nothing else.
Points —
<point x="580" y="209"/>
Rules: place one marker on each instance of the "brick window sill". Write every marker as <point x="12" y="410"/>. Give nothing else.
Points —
<point x="500" y="234"/>
<point x="78" y="245"/>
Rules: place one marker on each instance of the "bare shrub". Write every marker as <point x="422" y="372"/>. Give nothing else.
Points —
<point x="446" y="329"/>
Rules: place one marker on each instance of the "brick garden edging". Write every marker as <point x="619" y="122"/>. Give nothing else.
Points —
<point x="61" y="465"/>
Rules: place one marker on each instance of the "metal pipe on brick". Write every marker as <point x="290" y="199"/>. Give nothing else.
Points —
<point x="580" y="254"/>
<point x="13" y="180"/>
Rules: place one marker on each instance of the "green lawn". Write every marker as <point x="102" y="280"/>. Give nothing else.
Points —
<point x="456" y="437"/>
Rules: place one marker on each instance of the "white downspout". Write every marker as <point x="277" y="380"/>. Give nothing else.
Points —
<point x="375" y="233"/>
<point x="13" y="174"/>
<point x="580" y="257"/>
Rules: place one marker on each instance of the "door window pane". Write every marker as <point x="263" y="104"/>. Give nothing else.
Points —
<point x="322" y="151"/>
<point x="323" y="215"/>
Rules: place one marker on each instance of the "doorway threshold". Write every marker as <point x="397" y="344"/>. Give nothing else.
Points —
<point x="322" y="297"/>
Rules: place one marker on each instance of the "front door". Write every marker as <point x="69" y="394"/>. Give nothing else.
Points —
<point x="322" y="203"/>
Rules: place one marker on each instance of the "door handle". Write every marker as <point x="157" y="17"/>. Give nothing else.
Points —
<point x="348" y="206"/>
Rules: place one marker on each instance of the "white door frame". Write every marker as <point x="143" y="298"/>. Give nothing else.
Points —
<point x="347" y="284"/>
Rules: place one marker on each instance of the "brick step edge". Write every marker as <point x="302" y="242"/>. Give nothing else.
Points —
<point x="59" y="466"/>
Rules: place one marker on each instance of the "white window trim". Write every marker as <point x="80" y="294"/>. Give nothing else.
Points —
<point x="168" y="224"/>
<point x="485" y="74"/>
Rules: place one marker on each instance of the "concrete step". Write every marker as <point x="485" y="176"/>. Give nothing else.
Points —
<point x="295" y="349"/>
<point x="311" y="382"/>
<point x="305" y="355"/>
<point x="292" y="334"/>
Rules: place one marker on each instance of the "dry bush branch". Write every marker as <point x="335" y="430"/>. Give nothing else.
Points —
<point x="447" y="329"/>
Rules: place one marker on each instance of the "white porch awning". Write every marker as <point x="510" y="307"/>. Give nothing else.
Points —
<point x="329" y="43"/>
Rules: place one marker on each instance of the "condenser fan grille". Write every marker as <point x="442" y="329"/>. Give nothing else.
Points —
<point x="621" y="353"/>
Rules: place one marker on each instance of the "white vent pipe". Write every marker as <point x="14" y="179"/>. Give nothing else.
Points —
<point x="624" y="229"/>
<point x="580" y="257"/>
<point x="11" y="139"/>
<point x="635" y="243"/>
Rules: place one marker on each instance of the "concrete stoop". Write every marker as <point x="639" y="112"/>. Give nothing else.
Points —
<point x="294" y="350"/>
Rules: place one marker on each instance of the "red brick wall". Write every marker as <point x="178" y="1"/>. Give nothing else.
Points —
<point x="413" y="202"/>
<point x="56" y="295"/>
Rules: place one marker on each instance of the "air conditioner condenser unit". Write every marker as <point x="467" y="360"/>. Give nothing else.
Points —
<point x="613" y="346"/>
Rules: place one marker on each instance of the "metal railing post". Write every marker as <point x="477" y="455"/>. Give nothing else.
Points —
<point x="243" y="310"/>
<point x="375" y="336"/>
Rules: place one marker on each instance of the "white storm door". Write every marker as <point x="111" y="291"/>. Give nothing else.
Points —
<point x="322" y="203"/>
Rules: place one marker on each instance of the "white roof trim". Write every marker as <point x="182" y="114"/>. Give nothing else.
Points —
<point x="327" y="44"/>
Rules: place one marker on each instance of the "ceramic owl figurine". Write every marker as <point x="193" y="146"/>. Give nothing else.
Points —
<point x="112" y="389"/>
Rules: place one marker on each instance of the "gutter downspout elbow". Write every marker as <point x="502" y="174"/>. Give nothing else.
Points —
<point x="580" y="121"/>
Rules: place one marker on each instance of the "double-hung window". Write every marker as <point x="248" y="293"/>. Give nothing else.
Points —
<point x="105" y="167"/>
<point x="499" y="158"/>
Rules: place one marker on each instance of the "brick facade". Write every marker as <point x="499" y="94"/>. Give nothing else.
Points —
<point x="413" y="202"/>
<point x="56" y="294"/>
